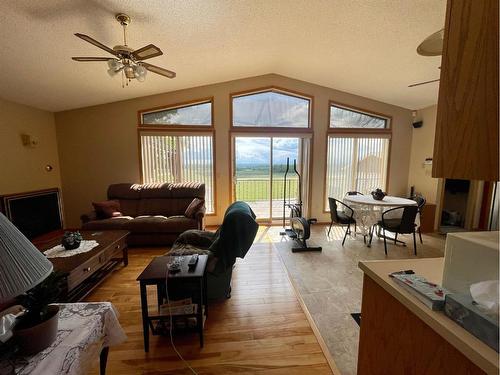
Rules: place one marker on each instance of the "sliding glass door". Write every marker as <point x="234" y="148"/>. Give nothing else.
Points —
<point x="259" y="169"/>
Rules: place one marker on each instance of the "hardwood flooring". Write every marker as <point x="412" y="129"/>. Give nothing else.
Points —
<point x="262" y="329"/>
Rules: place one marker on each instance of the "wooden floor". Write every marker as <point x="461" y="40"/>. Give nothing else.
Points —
<point x="262" y="329"/>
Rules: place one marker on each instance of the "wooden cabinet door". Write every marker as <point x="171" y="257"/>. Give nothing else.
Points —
<point x="466" y="143"/>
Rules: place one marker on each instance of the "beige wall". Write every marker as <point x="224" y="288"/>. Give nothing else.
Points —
<point x="422" y="147"/>
<point x="98" y="145"/>
<point x="22" y="168"/>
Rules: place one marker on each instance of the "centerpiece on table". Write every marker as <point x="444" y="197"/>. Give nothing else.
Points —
<point x="71" y="240"/>
<point x="378" y="194"/>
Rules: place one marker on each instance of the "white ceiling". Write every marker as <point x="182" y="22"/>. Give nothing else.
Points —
<point x="365" y="47"/>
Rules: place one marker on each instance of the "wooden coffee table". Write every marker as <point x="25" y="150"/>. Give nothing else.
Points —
<point x="87" y="270"/>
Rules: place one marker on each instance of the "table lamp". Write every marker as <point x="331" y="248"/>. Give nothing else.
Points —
<point x="22" y="265"/>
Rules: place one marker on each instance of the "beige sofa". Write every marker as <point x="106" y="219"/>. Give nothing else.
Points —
<point x="152" y="213"/>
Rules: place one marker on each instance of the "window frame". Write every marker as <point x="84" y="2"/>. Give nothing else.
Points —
<point x="387" y="118"/>
<point x="183" y="132"/>
<point x="356" y="133"/>
<point x="275" y="129"/>
<point x="168" y="107"/>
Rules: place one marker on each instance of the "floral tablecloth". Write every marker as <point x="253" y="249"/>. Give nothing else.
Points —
<point x="84" y="330"/>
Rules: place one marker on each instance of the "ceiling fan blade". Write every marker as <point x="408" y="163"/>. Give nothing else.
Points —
<point x="158" y="70"/>
<point x="85" y="59"/>
<point x="96" y="43"/>
<point x="146" y="52"/>
<point x="423" y="83"/>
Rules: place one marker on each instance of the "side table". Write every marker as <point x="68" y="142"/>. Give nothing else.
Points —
<point x="193" y="281"/>
<point x="85" y="331"/>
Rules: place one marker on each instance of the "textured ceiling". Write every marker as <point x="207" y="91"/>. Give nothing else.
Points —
<point x="365" y="47"/>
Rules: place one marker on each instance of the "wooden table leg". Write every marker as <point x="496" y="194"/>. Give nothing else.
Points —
<point x="103" y="360"/>
<point x="205" y="293"/>
<point x="145" y="316"/>
<point x="200" y="312"/>
<point x="125" y="256"/>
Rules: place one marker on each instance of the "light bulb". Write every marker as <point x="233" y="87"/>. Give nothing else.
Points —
<point x="129" y="72"/>
<point x="114" y="64"/>
<point x="140" y="73"/>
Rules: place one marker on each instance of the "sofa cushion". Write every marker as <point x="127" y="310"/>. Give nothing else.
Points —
<point x="160" y="224"/>
<point x="118" y="222"/>
<point x="195" y="205"/>
<point x="107" y="209"/>
<point x="162" y="206"/>
<point x="124" y="191"/>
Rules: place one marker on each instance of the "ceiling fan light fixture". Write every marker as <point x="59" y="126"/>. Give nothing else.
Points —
<point x="114" y="64"/>
<point x="129" y="72"/>
<point x="140" y="73"/>
<point x="125" y="60"/>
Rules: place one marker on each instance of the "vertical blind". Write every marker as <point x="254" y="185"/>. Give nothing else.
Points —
<point x="179" y="158"/>
<point x="355" y="163"/>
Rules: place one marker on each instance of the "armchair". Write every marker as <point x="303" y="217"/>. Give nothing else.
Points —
<point x="232" y="240"/>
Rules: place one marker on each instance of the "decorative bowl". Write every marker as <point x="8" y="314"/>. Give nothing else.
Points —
<point x="378" y="194"/>
<point x="71" y="240"/>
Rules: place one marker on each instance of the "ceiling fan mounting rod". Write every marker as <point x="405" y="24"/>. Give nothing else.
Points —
<point x="124" y="20"/>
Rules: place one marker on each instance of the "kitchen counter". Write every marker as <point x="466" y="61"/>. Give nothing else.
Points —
<point x="389" y="312"/>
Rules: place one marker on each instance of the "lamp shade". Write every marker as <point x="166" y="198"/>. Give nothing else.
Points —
<point x="22" y="265"/>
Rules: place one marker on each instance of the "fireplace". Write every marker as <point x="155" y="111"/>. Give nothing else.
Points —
<point x="35" y="213"/>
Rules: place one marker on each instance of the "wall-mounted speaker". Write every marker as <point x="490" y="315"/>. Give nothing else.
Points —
<point x="418" y="124"/>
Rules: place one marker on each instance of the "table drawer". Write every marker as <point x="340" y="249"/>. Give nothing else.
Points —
<point x="82" y="272"/>
<point x="115" y="250"/>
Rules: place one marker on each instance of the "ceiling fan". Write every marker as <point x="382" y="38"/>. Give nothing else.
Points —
<point x="127" y="61"/>
<point x="431" y="46"/>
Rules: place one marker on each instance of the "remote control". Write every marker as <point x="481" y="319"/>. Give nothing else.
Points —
<point x="193" y="260"/>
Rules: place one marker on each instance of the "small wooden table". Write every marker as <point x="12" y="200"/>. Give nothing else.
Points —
<point x="194" y="281"/>
<point x="87" y="270"/>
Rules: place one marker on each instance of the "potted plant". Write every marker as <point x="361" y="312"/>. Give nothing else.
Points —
<point x="36" y="329"/>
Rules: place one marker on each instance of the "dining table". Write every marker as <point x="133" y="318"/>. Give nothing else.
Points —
<point x="368" y="211"/>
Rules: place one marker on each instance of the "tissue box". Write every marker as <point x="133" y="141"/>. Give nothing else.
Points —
<point x="470" y="257"/>
<point x="463" y="311"/>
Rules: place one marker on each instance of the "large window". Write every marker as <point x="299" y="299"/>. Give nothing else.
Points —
<point x="270" y="108"/>
<point x="193" y="114"/>
<point x="179" y="158"/>
<point x="357" y="152"/>
<point x="341" y="117"/>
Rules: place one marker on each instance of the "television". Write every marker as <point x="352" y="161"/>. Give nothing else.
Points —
<point x="34" y="213"/>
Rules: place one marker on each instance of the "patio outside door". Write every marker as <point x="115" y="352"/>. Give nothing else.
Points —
<point x="258" y="173"/>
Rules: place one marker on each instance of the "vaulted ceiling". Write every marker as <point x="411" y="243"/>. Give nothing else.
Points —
<point x="364" y="47"/>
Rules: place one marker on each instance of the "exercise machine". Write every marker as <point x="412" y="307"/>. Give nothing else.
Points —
<point x="300" y="227"/>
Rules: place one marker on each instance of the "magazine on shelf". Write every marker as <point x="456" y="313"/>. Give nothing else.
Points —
<point x="432" y="295"/>
<point x="180" y="307"/>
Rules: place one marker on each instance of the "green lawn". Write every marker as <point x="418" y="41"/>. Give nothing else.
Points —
<point x="256" y="189"/>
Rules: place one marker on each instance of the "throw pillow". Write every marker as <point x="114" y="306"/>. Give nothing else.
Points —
<point x="193" y="207"/>
<point x="107" y="209"/>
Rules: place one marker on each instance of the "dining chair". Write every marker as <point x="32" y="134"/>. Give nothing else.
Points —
<point x="421" y="201"/>
<point x="354" y="193"/>
<point x="401" y="225"/>
<point x="340" y="217"/>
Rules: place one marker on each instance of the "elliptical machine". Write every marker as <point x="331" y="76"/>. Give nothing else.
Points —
<point x="300" y="227"/>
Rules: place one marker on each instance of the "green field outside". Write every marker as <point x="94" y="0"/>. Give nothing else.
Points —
<point x="257" y="189"/>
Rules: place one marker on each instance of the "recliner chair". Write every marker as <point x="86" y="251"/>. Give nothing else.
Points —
<point x="233" y="239"/>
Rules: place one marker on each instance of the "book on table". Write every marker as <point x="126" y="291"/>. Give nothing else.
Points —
<point x="432" y="295"/>
<point x="180" y="307"/>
